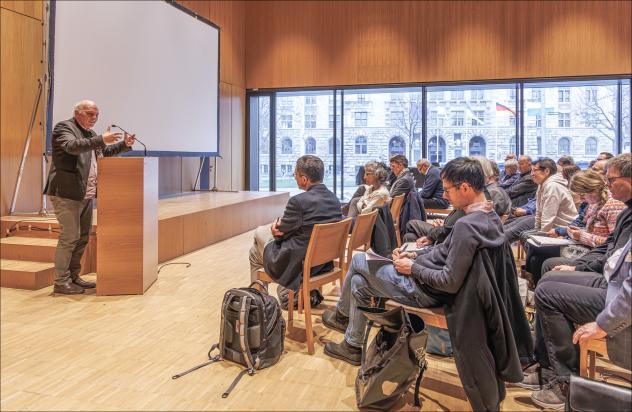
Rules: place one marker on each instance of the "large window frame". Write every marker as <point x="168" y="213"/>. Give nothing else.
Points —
<point x="338" y="119"/>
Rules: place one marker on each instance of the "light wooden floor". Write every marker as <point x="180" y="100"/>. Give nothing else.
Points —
<point x="119" y="353"/>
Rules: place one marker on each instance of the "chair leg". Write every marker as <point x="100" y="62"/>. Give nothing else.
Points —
<point x="290" y="308"/>
<point x="397" y="236"/>
<point x="308" y="322"/>
<point x="583" y="360"/>
<point x="301" y="303"/>
<point x="592" y="364"/>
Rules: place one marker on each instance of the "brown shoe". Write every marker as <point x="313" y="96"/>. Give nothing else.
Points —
<point x="68" y="289"/>
<point x="83" y="283"/>
<point x="344" y="352"/>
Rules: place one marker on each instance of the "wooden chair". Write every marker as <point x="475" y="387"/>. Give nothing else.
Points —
<point x="327" y="243"/>
<point x="360" y="236"/>
<point x="396" y="209"/>
<point x="587" y="356"/>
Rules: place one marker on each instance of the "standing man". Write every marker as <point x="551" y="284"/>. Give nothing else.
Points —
<point x="72" y="186"/>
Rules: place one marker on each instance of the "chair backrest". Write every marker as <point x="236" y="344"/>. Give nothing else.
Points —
<point x="396" y="206"/>
<point x="327" y="243"/>
<point x="362" y="230"/>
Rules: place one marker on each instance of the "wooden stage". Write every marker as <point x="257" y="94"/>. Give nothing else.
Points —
<point x="186" y="223"/>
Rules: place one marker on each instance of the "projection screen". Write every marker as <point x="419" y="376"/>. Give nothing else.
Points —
<point x="151" y="66"/>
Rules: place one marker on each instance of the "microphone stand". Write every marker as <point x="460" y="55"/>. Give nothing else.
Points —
<point x="214" y="167"/>
<point x="138" y="140"/>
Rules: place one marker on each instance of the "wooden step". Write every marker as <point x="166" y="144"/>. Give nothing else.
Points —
<point x="28" y="248"/>
<point x="20" y="274"/>
<point x="29" y="226"/>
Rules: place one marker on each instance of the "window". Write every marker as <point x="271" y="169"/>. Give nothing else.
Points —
<point x="477" y="94"/>
<point x="457" y="118"/>
<point x="310" y="100"/>
<point x="512" y="94"/>
<point x="591" y="146"/>
<point x="331" y="120"/>
<point x="360" y="145"/>
<point x="361" y="119"/>
<point x="396" y="146"/>
<point x="361" y="97"/>
<point x="310" y="121"/>
<point x="286" y="146"/>
<point x="478" y="117"/>
<point x="397" y="118"/>
<point x="310" y="145"/>
<point x="564" y="146"/>
<point x="477" y="146"/>
<point x="458" y="145"/>
<point x="512" y="145"/>
<point x="591" y="95"/>
<point x="512" y="121"/>
<point x="416" y="149"/>
<point x="536" y="95"/>
<point x="539" y="146"/>
<point x="432" y="119"/>
<point x="564" y="95"/>
<point x="564" y="120"/>
<point x="457" y="95"/>
<point x="331" y="145"/>
<point x="436" y="150"/>
<point x="286" y="121"/>
<point x="538" y="120"/>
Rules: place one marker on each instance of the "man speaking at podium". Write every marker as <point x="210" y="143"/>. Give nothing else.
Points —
<point x="72" y="185"/>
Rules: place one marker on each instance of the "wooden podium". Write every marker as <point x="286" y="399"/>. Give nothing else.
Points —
<point x="127" y="225"/>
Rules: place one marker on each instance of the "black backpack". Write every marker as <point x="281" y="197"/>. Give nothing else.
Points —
<point x="252" y="332"/>
<point x="396" y="356"/>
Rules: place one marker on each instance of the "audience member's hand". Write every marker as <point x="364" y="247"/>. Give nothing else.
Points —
<point x="588" y="331"/>
<point x="519" y="212"/>
<point x="552" y="233"/>
<point x="423" y="241"/>
<point x="275" y="228"/>
<point x="573" y="232"/>
<point x="129" y="139"/>
<point x="564" y="268"/>
<point x="397" y="254"/>
<point x="109" y="137"/>
<point x="437" y="222"/>
<point x="403" y="266"/>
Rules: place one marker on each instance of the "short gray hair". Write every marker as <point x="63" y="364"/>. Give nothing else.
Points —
<point x="511" y="164"/>
<point x="311" y="167"/>
<point x="422" y="162"/>
<point x="377" y="170"/>
<point x="81" y="105"/>
<point x="486" y="165"/>
<point x="622" y="164"/>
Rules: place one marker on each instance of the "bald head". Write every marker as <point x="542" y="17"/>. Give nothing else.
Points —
<point x="86" y="113"/>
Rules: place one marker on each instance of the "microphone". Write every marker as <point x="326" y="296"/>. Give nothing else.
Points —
<point x="136" y="139"/>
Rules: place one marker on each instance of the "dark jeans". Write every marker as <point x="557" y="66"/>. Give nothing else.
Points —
<point x="563" y="299"/>
<point x="416" y="229"/>
<point x="516" y="226"/>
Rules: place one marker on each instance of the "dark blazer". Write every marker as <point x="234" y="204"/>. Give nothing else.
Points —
<point x="72" y="156"/>
<point x="404" y="184"/>
<point x="433" y="187"/>
<point x="283" y="257"/>
<point x="383" y="238"/>
<point x="413" y="209"/>
<point x="522" y="190"/>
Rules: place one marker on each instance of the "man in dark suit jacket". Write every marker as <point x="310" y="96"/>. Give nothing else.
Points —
<point x="71" y="183"/>
<point x="281" y="248"/>
<point x="405" y="182"/>
<point x="524" y="187"/>
<point x="432" y="190"/>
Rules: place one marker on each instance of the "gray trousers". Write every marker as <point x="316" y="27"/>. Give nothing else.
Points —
<point x="262" y="237"/>
<point x="516" y="226"/>
<point x="75" y="218"/>
<point x="416" y="229"/>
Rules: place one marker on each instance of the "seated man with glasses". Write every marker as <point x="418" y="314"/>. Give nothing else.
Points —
<point x="425" y="280"/>
<point x="281" y="247"/>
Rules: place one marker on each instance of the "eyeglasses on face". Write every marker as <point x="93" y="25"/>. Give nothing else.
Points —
<point x="611" y="180"/>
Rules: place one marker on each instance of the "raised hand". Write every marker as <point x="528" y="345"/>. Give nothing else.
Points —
<point x="129" y="139"/>
<point x="109" y="137"/>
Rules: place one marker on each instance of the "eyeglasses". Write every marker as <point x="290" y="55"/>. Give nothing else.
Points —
<point x="447" y="189"/>
<point x="611" y="180"/>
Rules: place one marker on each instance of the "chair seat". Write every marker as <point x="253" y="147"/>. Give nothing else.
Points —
<point x="431" y="316"/>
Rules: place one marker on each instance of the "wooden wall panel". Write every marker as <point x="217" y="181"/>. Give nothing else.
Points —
<point x="21" y="49"/>
<point x="324" y="43"/>
<point x="30" y="8"/>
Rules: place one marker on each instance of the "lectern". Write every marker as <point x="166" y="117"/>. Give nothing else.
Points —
<point x="127" y="225"/>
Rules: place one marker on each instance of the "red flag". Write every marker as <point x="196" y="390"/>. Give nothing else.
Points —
<point x="502" y="107"/>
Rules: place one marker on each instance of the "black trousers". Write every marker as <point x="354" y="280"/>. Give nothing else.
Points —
<point x="536" y="255"/>
<point x="435" y="203"/>
<point x="562" y="300"/>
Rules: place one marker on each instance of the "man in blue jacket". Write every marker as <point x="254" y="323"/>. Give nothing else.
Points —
<point x="432" y="190"/>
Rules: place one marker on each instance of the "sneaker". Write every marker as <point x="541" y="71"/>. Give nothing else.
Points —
<point x="552" y="396"/>
<point x="335" y="320"/>
<point x="344" y="352"/>
<point x="535" y="378"/>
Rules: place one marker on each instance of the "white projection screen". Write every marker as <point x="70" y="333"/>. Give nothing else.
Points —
<point x="151" y="67"/>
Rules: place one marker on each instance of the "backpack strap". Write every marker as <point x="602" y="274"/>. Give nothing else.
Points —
<point x="263" y="285"/>
<point x="236" y="381"/>
<point x="420" y="376"/>
<point x="243" y="338"/>
<point x="367" y="332"/>
<point x="212" y="359"/>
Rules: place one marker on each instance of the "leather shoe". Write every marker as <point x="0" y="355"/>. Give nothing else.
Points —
<point x="344" y="352"/>
<point x="68" y="289"/>
<point x="83" y="283"/>
<point x="335" y="320"/>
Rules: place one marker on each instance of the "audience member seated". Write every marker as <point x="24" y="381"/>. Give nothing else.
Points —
<point x="500" y="199"/>
<point x="520" y="220"/>
<point x="432" y="190"/>
<point x="554" y="207"/>
<point x="605" y="156"/>
<point x="618" y="175"/>
<point x="281" y="247"/>
<point x="524" y="188"/>
<point x="511" y="175"/>
<point x="565" y="161"/>
<point x="601" y="304"/>
<point x="600" y="167"/>
<point x="375" y="193"/>
<point x="404" y="181"/>
<point x="600" y="220"/>
<point x="451" y="274"/>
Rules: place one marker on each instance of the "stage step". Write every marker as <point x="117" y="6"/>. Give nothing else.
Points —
<point x="25" y="226"/>
<point x="28" y="248"/>
<point x="21" y="274"/>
